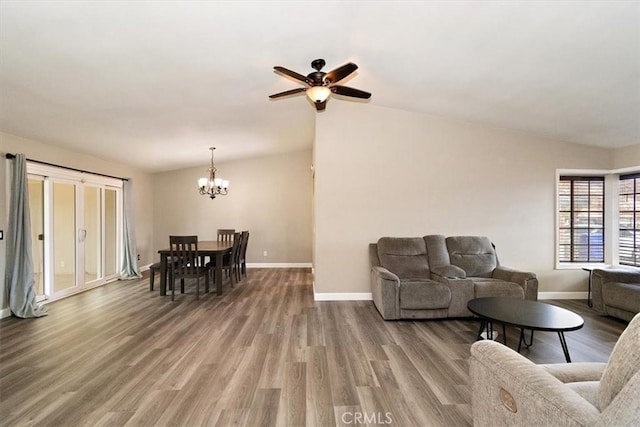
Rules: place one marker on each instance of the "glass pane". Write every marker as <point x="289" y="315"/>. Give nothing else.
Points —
<point x="626" y="186"/>
<point x="564" y="219"/>
<point x="91" y="234"/>
<point x="564" y="188"/>
<point x="64" y="236"/>
<point x="581" y="236"/>
<point x="595" y="220"/>
<point x="36" y="206"/>
<point x="626" y="202"/>
<point x="565" y="203"/>
<point x="581" y="219"/>
<point x="596" y="187"/>
<point x="626" y="220"/>
<point x="110" y="237"/>
<point x="565" y="253"/>
<point x="596" y="237"/>
<point x="581" y="203"/>
<point x="580" y="187"/>
<point x="565" y="237"/>
<point x="581" y="253"/>
<point x="596" y="203"/>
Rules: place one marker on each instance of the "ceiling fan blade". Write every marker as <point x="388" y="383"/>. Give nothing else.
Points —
<point x="334" y="76"/>
<point x="292" y="74"/>
<point x="287" y="92"/>
<point x="349" y="91"/>
<point x="320" y="106"/>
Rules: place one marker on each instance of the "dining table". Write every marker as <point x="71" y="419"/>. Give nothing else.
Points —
<point x="210" y="248"/>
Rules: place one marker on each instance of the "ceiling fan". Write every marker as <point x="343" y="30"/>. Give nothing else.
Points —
<point x="322" y="84"/>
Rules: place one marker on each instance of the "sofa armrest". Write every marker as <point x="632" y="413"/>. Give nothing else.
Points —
<point x="507" y="390"/>
<point x="449" y="271"/>
<point x="527" y="280"/>
<point x="385" y="289"/>
<point x="601" y="276"/>
<point x="461" y="293"/>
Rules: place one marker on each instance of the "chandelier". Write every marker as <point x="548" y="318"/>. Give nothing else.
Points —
<point x="213" y="186"/>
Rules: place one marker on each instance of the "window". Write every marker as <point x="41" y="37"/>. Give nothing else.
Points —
<point x="581" y="219"/>
<point x="629" y="220"/>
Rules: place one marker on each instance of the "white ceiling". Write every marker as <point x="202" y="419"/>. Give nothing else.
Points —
<point x="154" y="84"/>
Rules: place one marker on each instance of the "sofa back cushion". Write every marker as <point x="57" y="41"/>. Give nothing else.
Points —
<point x="624" y="363"/>
<point x="474" y="254"/>
<point x="406" y="257"/>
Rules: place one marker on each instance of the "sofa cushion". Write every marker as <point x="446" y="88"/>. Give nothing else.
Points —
<point x="406" y="257"/>
<point x="484" y="287"/>
<point x="623" y="364"/>
<point x="424" y="294"/>
<point x="587" y="389"/>
<point x="474" y="254"/>
<point x="625" y="296"/>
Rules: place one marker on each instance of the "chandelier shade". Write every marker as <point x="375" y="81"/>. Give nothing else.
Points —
<point x="213" y="186"/>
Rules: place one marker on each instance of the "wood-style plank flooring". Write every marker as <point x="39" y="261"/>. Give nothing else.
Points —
<point x="263" y="353"/>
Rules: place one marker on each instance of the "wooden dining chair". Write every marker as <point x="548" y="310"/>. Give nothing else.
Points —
<point x="243" y="253"/>
<point x="186" y="263"/>
<point x="229" y="261"/>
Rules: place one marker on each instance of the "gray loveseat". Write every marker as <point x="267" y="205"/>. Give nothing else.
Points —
<point x="616" y="292"/>
<point x="435" y="277"/>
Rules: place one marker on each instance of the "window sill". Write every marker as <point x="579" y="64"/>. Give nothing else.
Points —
<point x="582" y="265"/>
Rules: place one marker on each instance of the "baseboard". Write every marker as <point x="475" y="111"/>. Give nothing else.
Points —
<point x="5" y="312"/>
<point x="343" y="296"/>
<point x="279" y="265"/>
<point x="144" y="268"/>
<point x="562" y="295"/>
<point x="359" y="296"/>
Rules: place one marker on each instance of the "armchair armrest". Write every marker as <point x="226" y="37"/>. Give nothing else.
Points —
<point x="576" y="372"/>
<point x="527" y="280"/>
<point x="385" y="289"/>
<point x="507" y="390"/>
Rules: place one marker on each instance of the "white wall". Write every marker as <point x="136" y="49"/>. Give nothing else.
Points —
<point x="142" y="188"/>
<point x="383" y="172"/>
<point x="626" y="157"/>
<point x="269" y="196"/>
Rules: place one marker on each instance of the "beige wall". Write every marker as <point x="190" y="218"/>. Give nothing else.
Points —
<point x="269" y="196"/>
<point x="142" y="188"/>
<point x="383" y="172"/>
<point x="626" y="157"/>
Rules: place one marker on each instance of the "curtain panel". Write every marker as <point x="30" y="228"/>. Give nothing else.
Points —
<point x="19" y="274"/>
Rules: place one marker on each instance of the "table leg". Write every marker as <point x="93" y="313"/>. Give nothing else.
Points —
<point x="163" y="274"/>
<point x="565" y="349"/>
<point x="524" y="341"/>
<point x="219" y="259"/>
<point x="483" y="323"/>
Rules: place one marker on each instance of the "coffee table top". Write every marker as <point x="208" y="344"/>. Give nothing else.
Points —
<point x="527" y="314"/>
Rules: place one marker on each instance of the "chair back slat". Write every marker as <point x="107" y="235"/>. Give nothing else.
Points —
<point x="225" y="234"/>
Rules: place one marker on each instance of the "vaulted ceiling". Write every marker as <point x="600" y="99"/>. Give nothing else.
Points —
<point x="154" y="84"/>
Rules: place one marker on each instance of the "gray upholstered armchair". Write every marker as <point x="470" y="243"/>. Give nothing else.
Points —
<point x="509" y="390"/>
<point x="616" y="292"/>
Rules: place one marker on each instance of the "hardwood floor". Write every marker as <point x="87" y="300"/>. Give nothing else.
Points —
<point x="263" y="353"/>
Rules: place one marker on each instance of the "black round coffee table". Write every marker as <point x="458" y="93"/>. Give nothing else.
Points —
<point x="525" y="314"/>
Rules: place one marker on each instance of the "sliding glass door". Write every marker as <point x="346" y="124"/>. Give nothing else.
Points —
<point x="75" y="229"/>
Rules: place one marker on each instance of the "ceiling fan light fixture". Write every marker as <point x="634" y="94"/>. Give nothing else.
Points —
<point x="318" y="94"/>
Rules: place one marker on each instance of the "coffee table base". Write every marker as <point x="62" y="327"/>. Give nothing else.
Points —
<point x="488" y="325"/>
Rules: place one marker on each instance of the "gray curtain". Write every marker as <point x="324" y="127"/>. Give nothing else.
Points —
<point x="19" y="278"/>
<point x="130" y="269"/>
